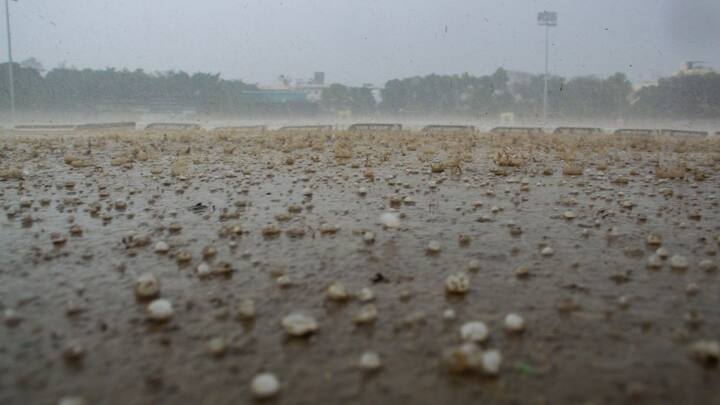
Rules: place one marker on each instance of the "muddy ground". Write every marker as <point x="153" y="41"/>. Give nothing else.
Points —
<point x="82" y="214"/>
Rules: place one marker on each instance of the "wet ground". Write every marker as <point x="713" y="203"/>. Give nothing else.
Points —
<point x="288" y="216"/>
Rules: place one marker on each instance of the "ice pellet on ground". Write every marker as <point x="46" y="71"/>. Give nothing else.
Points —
<point x="457" y="283"/>
<point x="160" y="310"/>
<point x="390" y="220"/>
<point x="265" y="385"/>
<point x="147" y="286"/>
<point x="474" y="332"/>
<point x="370" y="361"/>
<point x="298" y="324"/>
<point x="514" y="323"/>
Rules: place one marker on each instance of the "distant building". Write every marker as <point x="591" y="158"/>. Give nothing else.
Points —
<point x="693" y="68"/>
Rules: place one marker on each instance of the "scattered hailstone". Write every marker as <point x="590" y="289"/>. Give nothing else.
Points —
<point x="217" y="346"/>
<point x="10" y="317"/>
<point x="433" y="247"/>
<point x="390" y="220"/>
<point x="367" y="314"/>
<point x="654" y="262"/>
<point x="569" y="215"/>
<point x="203" y="270"/>
<point x="370" y="361"/>
<point x="463" y="358"/>
<point x="362" y="191"/>
<point x="449" y="314"/>
<point x="147" y="286"/>
<point x="692" y="289"/>
<point x="369" y="237"/>
<point x="337" y="292"/>
<point x="72" y="400"/>
<point x="246" y="309"/>
<point x="490" y="362"/>
<point x="547" y="251"/>
<point x="706" y="352"/>
<point x="161" y="247"/>
<point x="366" y="295"/>
<point x="475" y="331"/>
<point x="514" y="323"/>
<point x="678" y="262"/>
<point x="307" y="192"/>
<point x="457" y="283"/>
<point x="707" y="266"/>
<point x="662" y="253"/>
<point x="473" y="265"/>
<point x="283" y="281"/>
<point x="265" y="385"/>
<point x="298" y="324"/>
<point x="160" y="310"/>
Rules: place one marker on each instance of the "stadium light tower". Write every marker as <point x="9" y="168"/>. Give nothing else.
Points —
<point x="10" y="64"/>
<point x="547" y="19"/>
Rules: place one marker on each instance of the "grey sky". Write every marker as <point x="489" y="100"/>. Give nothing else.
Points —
<point x="358" y="41"/>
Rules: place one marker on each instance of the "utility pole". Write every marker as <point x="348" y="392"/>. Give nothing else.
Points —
<point x="10" y="65"/>
<point x="547" y="19"/>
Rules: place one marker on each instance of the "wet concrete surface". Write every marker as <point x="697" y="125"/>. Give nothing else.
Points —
<point x="601" y="327"/>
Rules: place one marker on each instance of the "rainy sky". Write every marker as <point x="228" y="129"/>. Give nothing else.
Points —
<point x="367" y="41"/>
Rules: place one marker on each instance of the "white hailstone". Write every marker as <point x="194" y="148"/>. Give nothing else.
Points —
<point x="623" y="302"/>
<point x="147" y="286"/>
<point x="390" y="220"/>
<point x="120" y="204"/>
<point x="477" y="204"/>
<point x="473" y="265"/>
<point x="283" y="281"/>
<point x="337" y="292"/>
<point x="514" y="323"/>
<point x="463" y="358"/>
<point x="160" y="310"/>
<point x="547" y="251"/>
<point x="366" y="294"/>
<point x="217" y="346"/>
<point x="72" y="400"/>
<point x="654" y="262"/>
<point x="662" y="253"/>
<point x="692" y="289"/>
<point x="369" y="237"/>
<point x="433" y="247"/>
<point x="678" y="262"/>
<point x="246" y="309"/>
<point x="307" y="192"/>
<point x="25" y="201"/>
<point x="569" y="215"/>
<point x="654" y="239"/>
<point x="490" y="362"/>
<point x="370" y="361"/>
<point x="203" y="270"/>
<point x="10" y="317"/>
<point x="457" y="283"/>
<point x="449" y="314"/>
<point x="362" y="191"/>
<point x="706" y="351"/>
<point x="474" y="331"/>
<point x="161" y="247"/>
<point x="367" y="314"/>
<point x="265" y="385"/>
<point x="298" y="324"/>
<point x="707" y="266"/>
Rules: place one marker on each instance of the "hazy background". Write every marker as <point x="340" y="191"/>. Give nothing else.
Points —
<point x="368" y="41"/>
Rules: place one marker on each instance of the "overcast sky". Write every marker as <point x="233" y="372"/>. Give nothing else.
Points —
<point x="367" y="41"/>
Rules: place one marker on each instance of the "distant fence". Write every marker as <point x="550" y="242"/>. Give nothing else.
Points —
<point x="635" y="131"/>
<point x="243" y="128"/>
<point x="374" y="127"/>
<point x="107" y="125"/>
<point x="517" y="130"/>
<point x="172" y="126"/>
<point x="449" y="128"/>
<point x="578" y="131"/>
<point x="45" y="127"/>
<point x="317" y="128"/>
<point x="682" y="132"/>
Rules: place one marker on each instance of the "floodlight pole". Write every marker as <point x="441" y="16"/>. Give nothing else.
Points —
<point x="547" y="19"/>
<point x="10" y="64"/>
<point x="545" y="87"/>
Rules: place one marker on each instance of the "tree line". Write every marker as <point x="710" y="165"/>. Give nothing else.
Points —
<point x="684" y="96"/>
